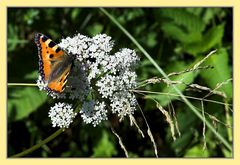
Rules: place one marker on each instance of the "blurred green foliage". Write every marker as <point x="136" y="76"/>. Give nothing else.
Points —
<point x="177" y="38"/>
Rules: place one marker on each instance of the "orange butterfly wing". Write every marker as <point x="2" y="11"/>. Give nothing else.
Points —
<point x="54" y="64"/>
<point x="59" y="85"/>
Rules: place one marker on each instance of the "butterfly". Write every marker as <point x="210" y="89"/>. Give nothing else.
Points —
<point x="54" y="63"/>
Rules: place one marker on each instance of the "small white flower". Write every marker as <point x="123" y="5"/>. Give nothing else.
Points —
<point x="123" y="103"/>
<point x="42" y="85"/>
<point x="93" y="112"/>
<point x="93" y="48"/>
<point x="107" y="85"/>
<point x="126" y="58"/>
<point x="104" y="42"/>
<point x="93" y="71"/>
<point x="61" y="115"/>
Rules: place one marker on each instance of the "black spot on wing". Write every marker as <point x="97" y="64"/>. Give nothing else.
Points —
<point x="51" y="44"/>
<point x="51" y="56"/>
<point x="58" y="49"/>
<point x="44" y="38"/>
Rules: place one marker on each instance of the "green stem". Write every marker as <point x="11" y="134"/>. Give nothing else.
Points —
<point x="21" y="84"/>
<point x="176" y="95"/>
<point x="228" y="121"/>
<point x="33" y="148"/>
<point x="165" y="76"/>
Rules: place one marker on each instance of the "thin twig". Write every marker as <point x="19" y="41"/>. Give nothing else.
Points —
<point x="204" y="59"/>
<point x="213" y="118"/>
<point x="168" y="119"/>
<point x="204" y="127"/>
<point x="217" y="87"/>
<point x="176" y="95"/>
<point x="35" y="147"/>
<point x="133" y="121"/>
<point x="203" y="88"/>
<point x="120" y="142"/>
<point x="149" y="132"/>
<point x="190" y="70"/>
<point x="175" y="119"/>
<point x="22" y="84"/>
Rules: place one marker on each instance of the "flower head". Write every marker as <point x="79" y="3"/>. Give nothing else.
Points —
<point x="61" y="115"/>
<point x="99" y="79"/>
<point x="93" y="112"/>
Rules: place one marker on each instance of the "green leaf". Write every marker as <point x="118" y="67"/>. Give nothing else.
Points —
<point x="227" y="153"/>
<point x="210" y="40"/>
<point x="104" y="148"/>
<point x="24" y="101"/>
<point x="181" y="143"/>
<point x="211" y="13"/>
<point x="220" y="73"/>
<point x="74" y="13"/>
<point x="197" y="151"/>
<point x="151" y="39"/>
<point x="32" y="76"/>
<point x="185" y="19"/>
<point x="95" y="29"/>
<point x="179" y="34"/>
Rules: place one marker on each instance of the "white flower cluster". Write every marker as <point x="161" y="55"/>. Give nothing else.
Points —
<point x="61" y="115"/>
<point x="93" y="112"/>
<point x="100" y="80"/>
<point x="123" y="103"/>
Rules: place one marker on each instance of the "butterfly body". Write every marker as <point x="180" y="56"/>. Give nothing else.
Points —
<point x="54" y="64"/>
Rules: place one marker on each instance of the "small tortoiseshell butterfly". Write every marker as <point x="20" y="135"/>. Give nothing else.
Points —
<point x="54" y="63"/>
